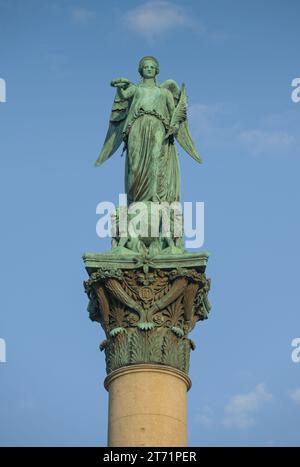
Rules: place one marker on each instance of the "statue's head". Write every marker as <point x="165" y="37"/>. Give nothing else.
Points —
<point x="148" y="67"/>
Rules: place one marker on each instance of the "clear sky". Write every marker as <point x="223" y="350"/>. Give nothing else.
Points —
<point x="238" y="59"/>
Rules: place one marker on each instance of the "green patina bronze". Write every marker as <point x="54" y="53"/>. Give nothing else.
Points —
<point x="147" y="117"/>
<point x="148" y="293"/>
<point x="147" y="312"/>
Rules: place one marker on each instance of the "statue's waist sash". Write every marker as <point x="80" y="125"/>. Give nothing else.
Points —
<point x="141" y="113"/>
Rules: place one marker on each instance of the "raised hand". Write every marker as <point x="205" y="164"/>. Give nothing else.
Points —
<point x="120" y="83"/>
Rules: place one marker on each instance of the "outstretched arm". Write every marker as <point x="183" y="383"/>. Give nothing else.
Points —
<point x="125" y="88"/>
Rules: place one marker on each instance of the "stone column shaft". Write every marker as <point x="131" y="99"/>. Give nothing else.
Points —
<point x="147" y="406"/>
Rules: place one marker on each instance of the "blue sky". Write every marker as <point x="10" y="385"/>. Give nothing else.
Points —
<point x="238" y="59"/>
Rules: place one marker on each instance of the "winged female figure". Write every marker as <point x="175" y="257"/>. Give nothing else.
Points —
<point x="148" y="117"/>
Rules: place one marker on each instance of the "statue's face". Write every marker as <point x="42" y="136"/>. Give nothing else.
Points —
<point x="149" y="69"/>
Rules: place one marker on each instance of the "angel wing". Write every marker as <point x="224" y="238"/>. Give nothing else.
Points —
<point x="179" y="119"/>
<point x="114" y="136"/>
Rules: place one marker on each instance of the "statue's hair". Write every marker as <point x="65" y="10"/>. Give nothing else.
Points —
<point x="148" y="57"/>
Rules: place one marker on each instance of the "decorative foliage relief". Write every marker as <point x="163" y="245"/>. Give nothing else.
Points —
<point x="147" y="316"/>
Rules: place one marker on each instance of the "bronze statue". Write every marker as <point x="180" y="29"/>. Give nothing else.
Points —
<point x="147" y="117"/>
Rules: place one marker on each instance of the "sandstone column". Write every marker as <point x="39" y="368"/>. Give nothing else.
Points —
<point x="147" y="406"/>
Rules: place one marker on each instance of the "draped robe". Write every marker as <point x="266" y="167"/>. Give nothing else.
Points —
<point x="152" y="169"/>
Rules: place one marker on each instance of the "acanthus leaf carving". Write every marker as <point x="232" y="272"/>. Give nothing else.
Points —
<point x="147" y="315"/>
